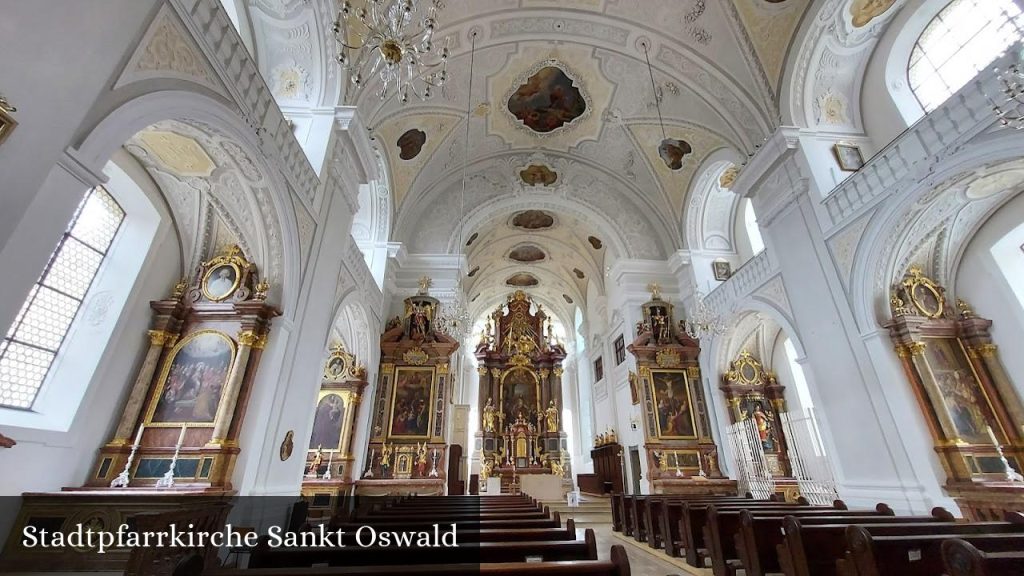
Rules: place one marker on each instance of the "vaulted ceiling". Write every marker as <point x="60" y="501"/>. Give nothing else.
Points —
<point x="563" y="120"/>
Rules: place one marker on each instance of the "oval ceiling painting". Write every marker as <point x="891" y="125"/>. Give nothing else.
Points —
<point x="672" y="152"/>
<point x="411" y="143"/>
<point x="522" y="280"/>
<point x="533" y="220"/>
<point x="547" y="101"/>
<point x="527" y="253"/>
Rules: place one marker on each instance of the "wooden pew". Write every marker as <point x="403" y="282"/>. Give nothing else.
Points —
<point x="761" y="539"/>
<point x="617" y="511"/>
<point x="811" y="549"/>
<point x="961" y="558"/>
<point x="583" y="549"/>
<point x="617" y="565"/>
<point x="470" y="535"/>
<point x="659" y="521"/>
<point x="915" y="554"/>
<point x="694" y="520"/>
<point x="724" y="524"/>
<point x="472" y="524"/>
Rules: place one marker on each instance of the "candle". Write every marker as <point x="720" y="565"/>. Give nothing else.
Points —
<point x="992" y="435"/>
<point x="138" y="436"/>
<point x="181" y="437"/>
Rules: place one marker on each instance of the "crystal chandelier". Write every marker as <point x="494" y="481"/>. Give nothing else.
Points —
<point x="455" y="316"/>
<point x="1009" y="110"/>
<point x="703" y="323"/>
<point x="392" y="38"/>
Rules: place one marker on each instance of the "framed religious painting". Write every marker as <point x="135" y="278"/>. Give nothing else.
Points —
<point x="960" y="395"/>
<point x="756" y="408"/>
<point x="411" y="415"/>
<point x="673" y="408"/>
<point x="327" y="422"/>
<point x="192" y="381"/>
<point x="221" y="281"/>
<point x="722" y="270"/>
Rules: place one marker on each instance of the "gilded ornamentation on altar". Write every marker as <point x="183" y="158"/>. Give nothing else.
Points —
<point x="224" y="274"/>
<point x="558" y="372"/>
<point x="551" y="417"/>
<point x="926" y="296"/>
<point x="416" y="357"/>
<point x="489" y="415"/>
<point x="667" y="358"/>
<point x="442" y="368"/>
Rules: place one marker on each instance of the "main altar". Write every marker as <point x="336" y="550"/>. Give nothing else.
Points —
<point x="520" y="368"/>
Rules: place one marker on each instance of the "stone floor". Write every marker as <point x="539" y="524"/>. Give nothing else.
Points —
<point x="643" y="561"/>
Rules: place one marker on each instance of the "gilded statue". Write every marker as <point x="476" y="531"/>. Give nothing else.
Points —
<point x="385" y="456"/>
<point x="485" y="471"/>
<point x="662" y="459"/>
<point x="551" y="414"/>
<point x="314" y="465"/>
<point x="489" y="414"/>
<point x="421" y="459"/>
<point x="557" y="469"/>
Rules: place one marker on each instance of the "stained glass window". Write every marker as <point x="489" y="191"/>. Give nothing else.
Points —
<point x="962" y="39"/>
<point x="35" y="337"/>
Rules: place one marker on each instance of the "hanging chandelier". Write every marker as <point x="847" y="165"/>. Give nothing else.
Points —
<point x="392" y="38"/>
<point x="703" y="322"/>
<point x="1009" y="111"/>
<point x="455" y="315"/>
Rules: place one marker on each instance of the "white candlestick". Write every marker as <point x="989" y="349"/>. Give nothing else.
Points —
<point x="992" y="435"/>
<point x="181" y="437"/>
<point x="138" y="436"/>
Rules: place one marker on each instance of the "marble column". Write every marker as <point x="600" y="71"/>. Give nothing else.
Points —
<point x="229" y="398"/>
<point x="158" y="340"/>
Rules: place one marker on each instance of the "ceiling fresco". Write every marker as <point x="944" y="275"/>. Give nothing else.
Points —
<point x="563" y="128"/>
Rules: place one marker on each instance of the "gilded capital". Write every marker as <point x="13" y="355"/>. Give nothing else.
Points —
<point x="247" y="338"/>
<point x="442" y="368"/>
<point x="916" y="348"/>
<point x="544" y="373"/>
<point x="496" y="372"/>
<point x="261" y="341"/>
<point x="481" y="370"/>
<point x="558" y="372"/>
<point x="387" y="368"/>
<point x="158" y="337"/>
<point x="693" y="372"/>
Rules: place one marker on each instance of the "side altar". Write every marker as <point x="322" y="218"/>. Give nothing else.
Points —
<point x="520" y="368"/>
<point x="407" y="449"/>
<point x="682" y="457"/>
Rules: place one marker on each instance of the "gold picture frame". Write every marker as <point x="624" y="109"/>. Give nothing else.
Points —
<point x="427" y="371"/>
<point x="7" y="123"/>
<point x="665" y="408"/>
<point x="849" y="156"/>
<point x="924" y="294"/>
<point x="165" y="372"/>
<point x="317" y="437"/>
<point x="223" y="295"/>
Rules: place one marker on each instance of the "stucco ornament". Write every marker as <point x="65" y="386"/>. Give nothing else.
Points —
<point x="864" y="11"/>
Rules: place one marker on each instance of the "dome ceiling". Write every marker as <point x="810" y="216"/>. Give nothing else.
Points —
<point x="563" y="126"/>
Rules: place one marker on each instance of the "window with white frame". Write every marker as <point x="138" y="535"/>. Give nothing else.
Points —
<point x="962" y="39"/>
<point x="35" y="337"/>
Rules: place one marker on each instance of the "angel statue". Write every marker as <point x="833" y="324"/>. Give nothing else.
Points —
<point x="314" y="465"/>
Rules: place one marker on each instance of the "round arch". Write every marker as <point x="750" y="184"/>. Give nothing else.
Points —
<point x="122" y="122"/>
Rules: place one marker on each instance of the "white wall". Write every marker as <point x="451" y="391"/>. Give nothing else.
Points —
<point x="983" y="283"/>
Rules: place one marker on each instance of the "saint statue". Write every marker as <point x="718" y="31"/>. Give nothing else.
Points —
<point x="662" y="459"/>
<point x="489" y="413"/>
<point x="557" y="469"/>
<point x="385" y="456"/>
<point x="552" y="417"/>
<point x="314" y="465"/>
<point x="421" y="460"/>
<point x="485" y="472"/>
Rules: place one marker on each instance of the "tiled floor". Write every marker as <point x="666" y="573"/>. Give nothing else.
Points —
<point x="642" y="560"/>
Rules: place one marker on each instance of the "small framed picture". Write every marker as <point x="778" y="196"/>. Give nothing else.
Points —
<point x="7" y="122"/>
<point x="849" y="156"/>
<point x="722" y="270"/>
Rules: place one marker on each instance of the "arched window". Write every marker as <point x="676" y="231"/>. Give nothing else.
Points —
<point x="753" y="231"/>
<point x="966" y="36"/>
<point x="34" y="339"/>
